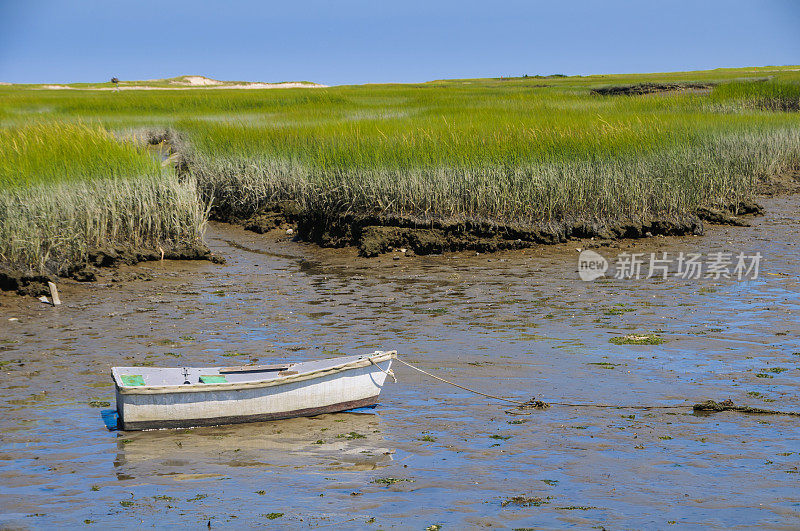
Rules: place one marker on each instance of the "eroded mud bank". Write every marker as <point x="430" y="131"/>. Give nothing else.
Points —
<point x="104" y="261"/>
<point x="376" y="234"/>
<point x="639" y="89"/>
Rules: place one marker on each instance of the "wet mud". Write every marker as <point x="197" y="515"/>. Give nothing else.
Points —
<point x="516" y="323"/>
<point x="99" y="262"/>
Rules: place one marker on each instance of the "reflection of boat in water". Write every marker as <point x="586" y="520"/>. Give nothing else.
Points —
<point x="353" y="441"/>
<point x="150" y="397"/>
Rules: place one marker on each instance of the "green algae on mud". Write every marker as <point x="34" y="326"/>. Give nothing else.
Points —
<point x="636" y="339"/>
<point x="525" y="501"/>
<point x="389" y="481"/>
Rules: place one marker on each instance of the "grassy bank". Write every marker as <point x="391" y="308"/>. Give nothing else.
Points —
<point x="528" y="151"/>
<point x="66" y="189"/>
<point x="521" y="157"/>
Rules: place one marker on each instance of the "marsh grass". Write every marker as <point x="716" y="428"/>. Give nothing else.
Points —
<point x="717" y="169"/>
<point x="522" y="150"/>
<point x="508" y="154"/>
<point x="56" y="152"/>
<point x="767" y="95"/>
<point x="65" y="189"/>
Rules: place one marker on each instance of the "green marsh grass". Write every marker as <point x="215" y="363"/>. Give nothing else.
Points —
<point x="521" y="150"/>
<point x="57" y="152"/>
<point x="491" y="171"/>
<point x="769" y="95"/>
<point x="68" y="188"/>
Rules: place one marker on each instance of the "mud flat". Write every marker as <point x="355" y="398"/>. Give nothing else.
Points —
<point x="520" y="318"/>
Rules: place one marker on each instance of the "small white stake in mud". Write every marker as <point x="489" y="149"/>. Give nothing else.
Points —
<point x="54" y="294"/>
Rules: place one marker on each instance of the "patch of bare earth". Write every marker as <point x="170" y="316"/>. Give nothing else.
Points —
<point x="782" y="184"/>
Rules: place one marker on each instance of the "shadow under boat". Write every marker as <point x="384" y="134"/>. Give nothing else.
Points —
<point x="352" y="440"/>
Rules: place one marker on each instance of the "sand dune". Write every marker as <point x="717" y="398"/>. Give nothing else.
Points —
<point x="188" y="83"/>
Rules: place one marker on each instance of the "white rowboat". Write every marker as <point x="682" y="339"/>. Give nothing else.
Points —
<point x="151" y="397"/>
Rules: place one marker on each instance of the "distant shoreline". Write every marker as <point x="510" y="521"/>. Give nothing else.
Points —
<point x="238" y="86"/>
<point x="177" y="83"/>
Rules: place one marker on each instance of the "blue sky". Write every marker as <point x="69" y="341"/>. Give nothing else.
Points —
<point x="349" y="41"/>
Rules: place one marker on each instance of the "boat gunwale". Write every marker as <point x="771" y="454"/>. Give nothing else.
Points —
<point x="366" y="361"/>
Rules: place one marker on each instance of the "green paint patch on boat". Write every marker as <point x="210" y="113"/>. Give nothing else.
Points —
<point x="213" y="378"/>
<point x="132" y="379"/>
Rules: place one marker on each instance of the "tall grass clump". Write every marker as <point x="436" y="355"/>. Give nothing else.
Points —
<point x="768" y="96"/>
<point x="50" y="152"/>
<point x="519" y="161"/>
<point x="68" y="189"/>
<point x="723" y="169"/>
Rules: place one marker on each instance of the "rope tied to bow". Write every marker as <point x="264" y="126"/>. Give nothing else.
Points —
<point x="534" y="403"/>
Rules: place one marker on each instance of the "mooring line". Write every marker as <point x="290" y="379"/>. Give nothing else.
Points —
<point x="614" y="406"/>
<point x="387" y="373"/>
<point x="516" y="402"/>
<point x="707" y="406"/>
<point x="533" y="403"/>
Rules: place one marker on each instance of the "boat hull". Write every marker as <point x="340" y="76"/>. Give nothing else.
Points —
<point x="337" y="388"/>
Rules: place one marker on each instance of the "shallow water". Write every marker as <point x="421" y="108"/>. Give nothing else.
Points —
<point x="520" y="324"/>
